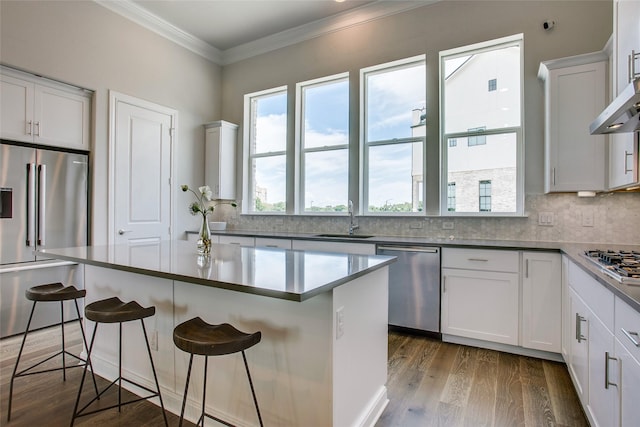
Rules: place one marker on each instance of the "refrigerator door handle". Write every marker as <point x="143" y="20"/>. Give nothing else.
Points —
<point x="42" y="202"/>
<point x="31" y="204"/>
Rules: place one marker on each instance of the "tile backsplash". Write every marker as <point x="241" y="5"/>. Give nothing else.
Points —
<point x="606" y="218"/>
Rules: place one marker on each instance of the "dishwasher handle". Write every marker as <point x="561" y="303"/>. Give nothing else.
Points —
<point x="409" y="249"/>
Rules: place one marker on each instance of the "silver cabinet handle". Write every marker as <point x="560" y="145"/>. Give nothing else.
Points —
<point x="37" y="132"/>
<point x="121" y="231"/>
<point x="579" y="320"/>
<point x="444" y="284"/>
<point x="409" y="249"/>
<point x="526" y="268"/>
<point x="477" y="259"/>
<point x="626" y="156"/>
<point x="29" y="127"/>
<point x="607" y="383"/>
<point x="630" y="335"/>
<point x="31" y="204"/>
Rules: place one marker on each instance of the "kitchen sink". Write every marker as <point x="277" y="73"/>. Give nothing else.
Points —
<point x="345" y="235"/>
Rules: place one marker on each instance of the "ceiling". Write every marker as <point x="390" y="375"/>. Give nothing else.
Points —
<point x="226" y="31"/>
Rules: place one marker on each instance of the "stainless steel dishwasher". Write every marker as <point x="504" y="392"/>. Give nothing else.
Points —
<point x="414" y="287"/>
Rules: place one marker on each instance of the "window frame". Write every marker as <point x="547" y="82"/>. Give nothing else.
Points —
<point x="300" y="151"/>
<point x="364" y="145"/>
<point x="248" y="156"/>
<point x="514" y="40"/>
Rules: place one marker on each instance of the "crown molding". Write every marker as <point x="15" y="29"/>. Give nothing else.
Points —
<point x="158" y="25"/>
<point x="353" y="17"/>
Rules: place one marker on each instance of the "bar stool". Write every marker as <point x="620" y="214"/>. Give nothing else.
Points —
<point x="51" y="292"/>
<point x="195" y="336"/>
<point x="113" y="310"/>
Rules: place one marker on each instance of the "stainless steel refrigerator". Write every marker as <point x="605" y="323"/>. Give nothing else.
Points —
<point x="43" y="203"/>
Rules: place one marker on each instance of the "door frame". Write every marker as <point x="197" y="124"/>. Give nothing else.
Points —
<point x="115" y="98"/>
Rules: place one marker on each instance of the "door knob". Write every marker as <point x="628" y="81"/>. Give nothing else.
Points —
<point x="121" y="231"/>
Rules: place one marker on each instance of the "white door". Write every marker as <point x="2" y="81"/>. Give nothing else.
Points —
<point x="141" y="150"/>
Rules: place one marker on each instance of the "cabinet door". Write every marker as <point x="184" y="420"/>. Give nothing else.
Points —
<point x="480" y="304"/>
<point x="629" y="385"/>
<point x="579" y="350"/>
<point x="220" y="154"/>
<point x="566" y="312"/>
<point x="61" y="118"/>
<point x="575" y="157"/>
<point x="16" y="109"/>
<point x="626" y="16"/>
<point x="541" y="301"/>
<point x="623" y="160"/>
<point x="603" y="390"/>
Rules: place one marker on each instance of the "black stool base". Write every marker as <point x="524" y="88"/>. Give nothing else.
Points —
<point x="64" y="294"/>
<point x="118" y="381"/>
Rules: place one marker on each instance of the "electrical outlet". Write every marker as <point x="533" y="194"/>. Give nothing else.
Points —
<point x="587" y="218"/>
<point x="546" y="219"/>
<point x="339" y="322"/>
<point x="448" y="225"/>
<point x="153" y="340"/>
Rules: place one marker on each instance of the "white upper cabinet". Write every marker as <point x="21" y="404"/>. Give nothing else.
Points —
<point x="624" y="158"/>
<point x="626" y="37"/>
<point x="40" y="111"/>
<point x="220" y="154"/>
<point x="574" y="95"/>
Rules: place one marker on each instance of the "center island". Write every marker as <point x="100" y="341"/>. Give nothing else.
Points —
<point x="323" y="316"/>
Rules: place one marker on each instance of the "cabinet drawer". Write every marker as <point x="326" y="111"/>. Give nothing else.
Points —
<point x="273" y="243"/>
<point x="595" y="295"/>
<point x="237" y="240"/>
<point x="628" y="327"/>
<point x="481" y="259"/>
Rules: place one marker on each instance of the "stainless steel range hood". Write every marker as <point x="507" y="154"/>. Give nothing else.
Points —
<point x="622" y="115"/>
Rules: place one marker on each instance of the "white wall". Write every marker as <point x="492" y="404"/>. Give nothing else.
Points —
<point x="581" y="27"/>
<point x="82" y="43"/>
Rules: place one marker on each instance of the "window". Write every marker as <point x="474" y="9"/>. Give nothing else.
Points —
<point x="491" y="123"/>
<point x="484" y="196"/>
<point x="451" y="197"/>
<point x="266" y="121"/>
<point x="393" y="126"/>
<point x="493" y="84"/>
<point x="323" y="130"/>
<point x="476" y="139"/>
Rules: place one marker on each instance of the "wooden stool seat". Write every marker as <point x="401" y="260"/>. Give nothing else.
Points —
<point x="54" y="292"/>
<point x="113" y="310"/>
<point x="196" y="336"/>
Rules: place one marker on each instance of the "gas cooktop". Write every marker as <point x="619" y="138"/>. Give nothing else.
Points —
<point x="624" y="266"/>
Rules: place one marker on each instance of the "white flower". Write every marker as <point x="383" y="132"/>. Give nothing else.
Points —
<point x="206" y="192"/>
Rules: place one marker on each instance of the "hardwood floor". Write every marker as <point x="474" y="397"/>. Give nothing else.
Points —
<point x="430" y="383"/>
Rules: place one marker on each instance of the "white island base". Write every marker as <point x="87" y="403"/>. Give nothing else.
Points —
<point x="307" y="371"/>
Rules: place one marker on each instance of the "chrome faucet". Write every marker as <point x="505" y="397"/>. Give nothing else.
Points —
<point x="352" y="225"/>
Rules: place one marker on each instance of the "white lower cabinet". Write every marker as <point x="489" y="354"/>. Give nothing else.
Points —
<point x="578" y="360"/>
<point x="480" y="304"/>
<point x="603" y="389"/>
<point x="629" y="387"/>
<point x="480" y="294"/>
<point x="541" y="301"/>
<point x="604" y="351"/>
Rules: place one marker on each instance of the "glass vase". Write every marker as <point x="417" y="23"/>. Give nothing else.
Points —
<point x="204" y="238"/>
